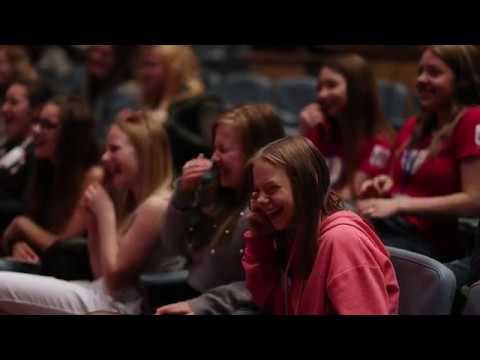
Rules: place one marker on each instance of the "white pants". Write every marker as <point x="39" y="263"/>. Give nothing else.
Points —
<point x="25" y="294"/>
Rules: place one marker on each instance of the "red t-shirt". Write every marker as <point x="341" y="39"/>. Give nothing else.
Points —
<point x="416" y="175"/>
<point x="374" y="154"/>
<point x="352" y="273"/>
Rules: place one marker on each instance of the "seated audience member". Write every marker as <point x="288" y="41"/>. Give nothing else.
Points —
<point x="206" y="217"/>
<point x="15" y="65"/>
<point x="65" y="154"/>
<point x="101" y="83"/>
<point x="22" y="104"/>
<point x="125" y="234"/>
<point x="347" y="125"/>
<point x="304" y="255"/>
<point x="434" y="172"/>
<point x="169" y="85"/>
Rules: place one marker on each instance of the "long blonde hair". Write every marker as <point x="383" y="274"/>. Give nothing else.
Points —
<point x="183" y="78"/>
<point x="20" y="62"/>
<point x="152" y="149"/>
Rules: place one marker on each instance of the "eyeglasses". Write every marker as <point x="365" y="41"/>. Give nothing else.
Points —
<point x="44" y="124"/>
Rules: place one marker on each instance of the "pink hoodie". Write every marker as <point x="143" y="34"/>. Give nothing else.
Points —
<point x="352" y="273"/>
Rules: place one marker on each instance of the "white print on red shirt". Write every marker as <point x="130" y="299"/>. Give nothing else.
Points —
<point x="477" y="135"/>
<point x="412" y="160"/>
<point x="335" y="166"/>
<point x="379" y="156"/>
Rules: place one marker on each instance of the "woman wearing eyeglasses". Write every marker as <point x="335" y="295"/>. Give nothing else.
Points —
<point x="125" y="227"/>
<point x="65" y="154"/>
<point x="22" y="103"/>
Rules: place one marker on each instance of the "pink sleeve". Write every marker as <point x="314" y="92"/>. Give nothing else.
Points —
<point x="262" y="274"/>
<point x="466" y="137"/>
<point x="361" y="279"/>
<point x="359" y="291"/>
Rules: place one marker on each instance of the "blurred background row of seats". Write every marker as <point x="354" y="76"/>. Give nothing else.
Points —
<point x="233" y="72"/>
<point x="291" y="95"/>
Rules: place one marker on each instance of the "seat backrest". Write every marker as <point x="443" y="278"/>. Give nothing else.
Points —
<point x="472" y="307"/>
<point x="427" y="287"/>
<point x="294" y="94"/>
<point x="242" y="88"/>
<point x="394" y="99"/>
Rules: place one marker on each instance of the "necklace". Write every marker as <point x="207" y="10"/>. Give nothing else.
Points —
<point x="216" y="244"/>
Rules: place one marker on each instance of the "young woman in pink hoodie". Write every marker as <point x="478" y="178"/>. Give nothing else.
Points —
<point x="304" y="254"/>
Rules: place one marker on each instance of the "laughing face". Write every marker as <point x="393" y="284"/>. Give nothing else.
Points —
<point x="273" y="194"/>
<point x="332" y="92"/>
<point x="16" y="112"/>
<point x="435" y="83"/>
<point x="120" y="160"/>
<point x="100" y="60"/>
<point x="229" y="157"/>
<point x="45" y="132"/>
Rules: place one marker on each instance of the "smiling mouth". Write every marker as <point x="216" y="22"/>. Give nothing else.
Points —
<point x="115" y="171"/>
<point x="425" y="91"/>
<point x="39" y="143"/>
<point x="273" y="214"/>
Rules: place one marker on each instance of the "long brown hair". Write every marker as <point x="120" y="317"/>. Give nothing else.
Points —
<point x="56" y="189"/>
<point x="37" y="94"/>
<point x="464" y="61"/>
<point x="257" y="125"/>
<point x="310" y="182"/>
<point x="363" y="117"/>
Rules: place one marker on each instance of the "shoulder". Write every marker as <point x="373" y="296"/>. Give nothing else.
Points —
<point x="472" y="112"/>
<point x="345" y="230"/>
<point x="471" y="117"/>
<point x="348" y="241"/>
<point x="409" y="124"/>
<point x="155" y="205"/>
<point x="466" y="135"/>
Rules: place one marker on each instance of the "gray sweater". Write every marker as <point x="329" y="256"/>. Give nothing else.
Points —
<point x="216" y="272"/>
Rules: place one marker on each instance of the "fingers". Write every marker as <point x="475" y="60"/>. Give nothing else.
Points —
<point x="311" y="115"/>
<point x="23" y="252"/>
<point x="195" y="173"/>
<point x="19" y="254"/>
<point x="364" y="205"/>
<point x="368" y="208"/>
<point x="199" y="162"/>
<point x="31" y="255"/>
<point x="92" y="193"/>
<point x="382" y="184"/>
<point x="259" y="222"/>
<point x="174" y="309"/>
<point x="194" y="170"/>
<point x="163" y="310"/>
<point x="366" y="187"/>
